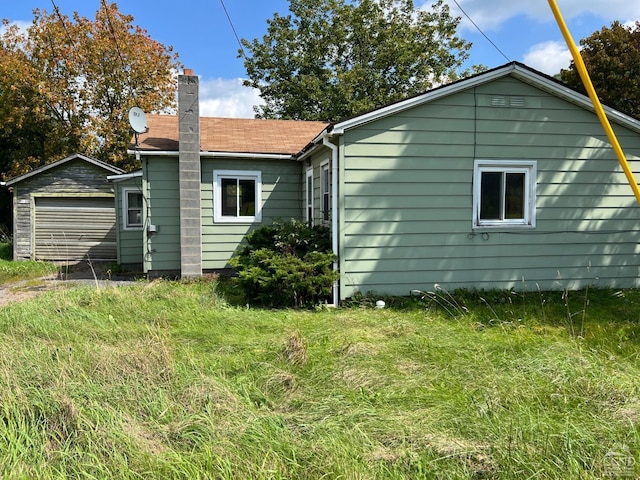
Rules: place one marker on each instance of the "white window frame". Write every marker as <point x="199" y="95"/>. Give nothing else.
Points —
<point x="125" y="209"/>
<point x="529" y="168"/>
<point x="324" y="170"/>
<point x="309" y="193"/>
<point x="254" y="175"/>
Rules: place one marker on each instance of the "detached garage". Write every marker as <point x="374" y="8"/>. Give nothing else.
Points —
<point x="65" y="211"/>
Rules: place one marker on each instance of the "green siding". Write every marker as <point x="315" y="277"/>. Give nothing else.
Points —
<point x="130" y="241"/>
<point x="281" y="199"/>
<point x="161" y="250"/>
<point x="406" y="202"/>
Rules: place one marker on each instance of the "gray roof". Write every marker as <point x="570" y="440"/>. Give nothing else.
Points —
<point x="108" y="168"/>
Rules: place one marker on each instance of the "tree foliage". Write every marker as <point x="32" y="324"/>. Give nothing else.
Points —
<point x="612" y="57"/>
<point x="330" y="59"/>
<point x="66" y="85"/>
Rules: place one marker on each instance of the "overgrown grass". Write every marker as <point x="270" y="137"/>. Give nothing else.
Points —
<point x="11" y="271"/>
<point x="166" y="380"/>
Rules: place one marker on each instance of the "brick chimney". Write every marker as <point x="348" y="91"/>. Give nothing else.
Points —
<point x="189" y="175"/>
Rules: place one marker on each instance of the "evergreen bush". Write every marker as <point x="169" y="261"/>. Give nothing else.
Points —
<point x="286" y="264"/>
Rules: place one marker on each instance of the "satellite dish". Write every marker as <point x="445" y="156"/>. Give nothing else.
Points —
<point x="138" y="120"/>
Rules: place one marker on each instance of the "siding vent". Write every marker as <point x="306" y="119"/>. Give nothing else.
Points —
<point x="517" y="102"/>
<point x="498" y="101"/>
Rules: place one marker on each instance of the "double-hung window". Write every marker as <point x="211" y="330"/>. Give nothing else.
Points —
<point x="132" y="208"/>
<point x="309" y="196"/>
<point x="325" y="188"/>
<point x="237" y="196"/>
<point x="504" y="193"/>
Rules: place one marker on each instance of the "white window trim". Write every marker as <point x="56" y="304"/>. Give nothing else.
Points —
<point x="324" y="166"/>
<point x="217" y="195"/>
<point x="529" y="168"/>
<point x="309" y="175"/>
<point x="125" y="209"/>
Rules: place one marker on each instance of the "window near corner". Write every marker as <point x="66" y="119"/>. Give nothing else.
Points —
<point x="309" y="196"/>
<point x="325" y="184"/>
<point x="504" y="194"/>
<point x="132" y="209"/>
<point x="237" y="196"/>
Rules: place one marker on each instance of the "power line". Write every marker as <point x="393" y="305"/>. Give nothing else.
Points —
<point x="64" y="25"/>
<point x="115" y="41"/>
<point x="224" y="7"/>
<point x="480" y="30"/>
<point x="113" y="33"/>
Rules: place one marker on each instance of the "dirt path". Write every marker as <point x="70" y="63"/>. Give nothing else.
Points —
<point x="24" y="290"/>
<point x="78" y="275"/>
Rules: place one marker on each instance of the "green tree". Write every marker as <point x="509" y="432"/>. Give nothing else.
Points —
<point x="612" y="58"/>
<point x="330" y="59"/>
<point x="66" y="85"/>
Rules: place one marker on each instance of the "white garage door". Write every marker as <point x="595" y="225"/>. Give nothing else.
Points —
<point x="75" y="228"/>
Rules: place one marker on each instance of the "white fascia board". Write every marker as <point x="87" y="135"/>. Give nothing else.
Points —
<point x="574" y="97"/>
<point x="316" y="145"/>
<point x="518" y="71"/>
<point x="153" y="153"/>
<point x="252" y="156"/>
<point x="124" y="176"/>
<point x="430" y="96"/>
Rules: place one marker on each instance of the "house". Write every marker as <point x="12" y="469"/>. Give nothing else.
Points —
<point x="65" y="211"/>
<point x="501" y="180"/>
<point x="245" y="174"/>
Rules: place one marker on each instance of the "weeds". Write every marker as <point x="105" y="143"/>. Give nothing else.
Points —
<point x="440" y="297"/>
<point x="167" y="380"/>
<point x="12" y="271"/>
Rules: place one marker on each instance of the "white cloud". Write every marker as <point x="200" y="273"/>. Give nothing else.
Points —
<point x="22" y="26"/>
<point x="491" y="14"/>
<point x="548" y="57"/>
<point x="227" y="97"/>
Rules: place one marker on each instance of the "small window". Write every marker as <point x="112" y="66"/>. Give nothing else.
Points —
<point x="325" y="185"/>
<point x="132" y="208"/>
<point x="237" y="196"/>
<point x="504" y="193"/>
<point x="309" y="196"/>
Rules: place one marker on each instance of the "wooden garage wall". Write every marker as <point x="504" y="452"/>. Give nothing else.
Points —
<point x="74" y="178"/>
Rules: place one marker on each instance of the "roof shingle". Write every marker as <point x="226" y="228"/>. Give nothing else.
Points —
<point x="233" y="135"/>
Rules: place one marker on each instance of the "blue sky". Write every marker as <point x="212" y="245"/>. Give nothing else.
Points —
<point x="200" y="32"/>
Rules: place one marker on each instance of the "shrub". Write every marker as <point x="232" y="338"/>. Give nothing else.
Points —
<point x="286" y="265"/>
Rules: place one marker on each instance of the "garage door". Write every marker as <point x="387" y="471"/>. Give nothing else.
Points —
<point x="75" y="228"/>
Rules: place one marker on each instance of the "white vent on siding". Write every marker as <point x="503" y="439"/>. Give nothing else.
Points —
<point x="498" y="101"/>
<point x="516" y="101"/>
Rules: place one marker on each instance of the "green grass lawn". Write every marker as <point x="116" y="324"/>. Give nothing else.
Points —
<point x="11" y="271"/>
<point x="167" y="380"/>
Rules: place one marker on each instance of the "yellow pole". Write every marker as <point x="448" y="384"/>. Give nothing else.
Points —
<point x="584" y="76"/>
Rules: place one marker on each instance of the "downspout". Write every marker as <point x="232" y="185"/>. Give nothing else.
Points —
<point x="334" y="212"/>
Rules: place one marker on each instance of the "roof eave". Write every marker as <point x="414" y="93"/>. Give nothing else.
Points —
<point x="205" y="154"/>
<point x="341" y="127"/>
<point x="517" y="70"/>
<point x="124" y="176"/>
<point x="57" y="163"/>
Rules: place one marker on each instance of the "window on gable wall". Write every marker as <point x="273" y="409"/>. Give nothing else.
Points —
<point x="504" y="193"/>
<point x="325" y="188"/>
<point x="237" y="196"/>
<point x="132" y="208"/>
